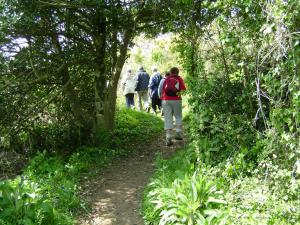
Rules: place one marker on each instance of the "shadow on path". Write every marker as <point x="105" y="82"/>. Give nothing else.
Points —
<point x="116" y="193"/>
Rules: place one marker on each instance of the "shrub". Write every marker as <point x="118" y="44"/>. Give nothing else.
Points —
<point x="179" y="193"/>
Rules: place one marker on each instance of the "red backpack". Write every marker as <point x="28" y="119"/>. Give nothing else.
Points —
<point x="171" y="85"/>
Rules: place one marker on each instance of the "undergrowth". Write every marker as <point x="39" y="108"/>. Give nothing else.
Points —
<point x="181" y="192"/>
<point x="47" y="191"/>
<point x="186" y="190"/>
<point x="243" y="85"/>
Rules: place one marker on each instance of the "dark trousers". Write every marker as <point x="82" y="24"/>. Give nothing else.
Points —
<point x="129" y="100"/>
<point x="156" y="102"/>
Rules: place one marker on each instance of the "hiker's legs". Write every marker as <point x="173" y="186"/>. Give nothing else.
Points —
<point x="177" y="107"/>
<point x="155" y="102"/>
<point x="168" y="118"/>
<point x="169" y="137"/>
<point x="161" y="108"/>
<point x="159" y="103"/>
<point x="139" y="93"/>
<point x="145" y="98"/>
<point x="168" y="114"/>
<point x="153" y="106"/>
<point x="131" y="99"/>
<point x="127" y="100"/>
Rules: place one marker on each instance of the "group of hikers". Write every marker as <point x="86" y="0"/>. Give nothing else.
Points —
<point x="164" y="93"/>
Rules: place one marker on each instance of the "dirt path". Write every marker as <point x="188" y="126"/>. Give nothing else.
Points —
<point x="117" y="192"/>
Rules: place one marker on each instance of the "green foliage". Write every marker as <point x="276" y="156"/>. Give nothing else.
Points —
<point x="25" y="202"/>
<point x="133" y="126"/>
<point x="242" y="70"/>
<point x="159" y="52"/>
<point x="255" y="200"/>
<point x="219" y="131"/>
<point x="56" y="61"/>
<point x="179" y="193"/>
<point x="55" y="138"/>
<point x="47" y="191"/>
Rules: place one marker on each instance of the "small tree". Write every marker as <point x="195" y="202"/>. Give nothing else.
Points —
<point x="63" y="59"/>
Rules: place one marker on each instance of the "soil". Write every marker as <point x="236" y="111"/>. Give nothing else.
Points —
<point x="116" y="193"/>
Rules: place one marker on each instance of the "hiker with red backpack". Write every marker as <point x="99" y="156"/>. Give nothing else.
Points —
<point x="170" y="93"/>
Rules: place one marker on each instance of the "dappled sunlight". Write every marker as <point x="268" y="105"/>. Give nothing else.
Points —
<point x="88" y="90"/>
<point x="116" y="193"/>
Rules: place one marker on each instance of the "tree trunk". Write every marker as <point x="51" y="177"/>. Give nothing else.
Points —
<point x="106" y="90"/>
<point x="110" y="101"/>
<point x="100" y="68"/>
<point x="80" y="115"/>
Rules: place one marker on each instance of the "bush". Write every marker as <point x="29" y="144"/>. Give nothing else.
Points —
<point x="47" y="191"/>
<point x="181" y="193"/>
<point x="55" y="138"/>
<point x="24" y="202"/>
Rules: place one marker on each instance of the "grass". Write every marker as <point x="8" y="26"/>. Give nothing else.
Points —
<point x="47" y="191"/>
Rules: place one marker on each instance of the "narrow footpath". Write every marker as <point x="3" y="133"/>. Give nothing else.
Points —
<point x="116" y="194"/>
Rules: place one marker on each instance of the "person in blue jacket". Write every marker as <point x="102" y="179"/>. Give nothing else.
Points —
<point x="142" y="78"/>
<point x="153" y="90"/>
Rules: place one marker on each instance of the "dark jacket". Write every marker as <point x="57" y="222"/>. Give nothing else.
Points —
<point x="142" y="80"/>
<point x="153" y="85"/>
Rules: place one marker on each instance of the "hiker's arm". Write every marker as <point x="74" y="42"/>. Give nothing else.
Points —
<point x="151" y="83"/>
<point x="161" y="83"/>
<point x="182" y="87"/>
<point x="123" y="82"/>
